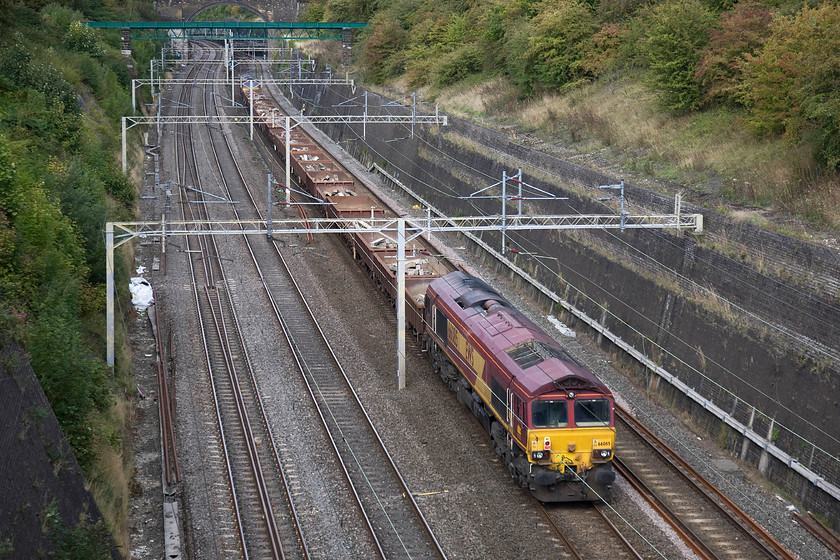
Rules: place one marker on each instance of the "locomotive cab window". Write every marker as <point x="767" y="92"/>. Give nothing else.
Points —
<point x="549" y="414"/>
<point x="440" y="323"/>
<point x="592" y="412"/>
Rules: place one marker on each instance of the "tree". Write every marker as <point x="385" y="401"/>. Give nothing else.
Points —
<point x="676" y="33"/>
<point x="81" y="38"/>
<point x="383" y="55"/>
<point x="743" y="31"/>
<point x="561" y="33"/>
<point x="791" y="84"/>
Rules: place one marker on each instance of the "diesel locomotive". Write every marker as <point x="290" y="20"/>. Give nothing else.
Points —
<point x="550" y="419"/>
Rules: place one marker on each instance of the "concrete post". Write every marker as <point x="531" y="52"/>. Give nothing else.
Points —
<point x="124" y="148"/>
<point x="268" y="210"/>
<point x="504" y="210"/>
<point x="288" y="165"/>
<point x="401" y="303"/>
<point x="109" y="289"/>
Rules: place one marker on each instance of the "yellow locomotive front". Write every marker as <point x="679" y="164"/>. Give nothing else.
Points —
<point x="571" y="442"/>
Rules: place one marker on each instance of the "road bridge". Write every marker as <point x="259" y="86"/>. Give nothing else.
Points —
<point x="267" y="10"/>
<point x="240" y="30"/>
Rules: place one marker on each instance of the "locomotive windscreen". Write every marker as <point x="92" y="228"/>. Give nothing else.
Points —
<point x="592" y="412"/>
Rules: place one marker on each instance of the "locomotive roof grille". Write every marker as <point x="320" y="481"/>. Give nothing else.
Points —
<point x="533" y="352"/>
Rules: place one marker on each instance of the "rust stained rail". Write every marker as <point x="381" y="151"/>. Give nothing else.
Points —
<point x="825" y="535"/>
<point x="757" y="534"/>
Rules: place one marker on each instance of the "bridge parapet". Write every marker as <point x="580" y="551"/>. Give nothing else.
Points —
<point x="268" y="10"/>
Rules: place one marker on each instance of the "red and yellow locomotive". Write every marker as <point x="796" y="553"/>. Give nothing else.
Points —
<point x="551" y="419"/>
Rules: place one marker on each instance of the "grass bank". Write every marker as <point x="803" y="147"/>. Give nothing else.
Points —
<point x="708" y="155"/>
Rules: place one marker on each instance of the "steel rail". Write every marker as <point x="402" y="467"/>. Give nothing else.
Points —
<point x="223" y="334"/>
<point x="167" y="429"/>
<point x="260" y="405"/>
<point x="572" y="549"/>
<point x="576" y="555"/>
<point x="825" y="535"/>
<point x="253" y="454"/>
<point x="629" y="547"/>
<point x="691" y="539"/>
<point x="185" y="209"/>
<point x="754" y="532"/>
<point x="302" y="368"/>
<point x="333" y="358"/>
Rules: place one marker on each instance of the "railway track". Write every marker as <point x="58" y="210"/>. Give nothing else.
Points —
<point x="393" y="518"/>
<point x="829" y="538"/>
<point x="395" y="522"/>
<point x="224" y="530"/>
<point x="246" y="443"/>
<point x="594" y="533"/>
<point x="706" y="520"/>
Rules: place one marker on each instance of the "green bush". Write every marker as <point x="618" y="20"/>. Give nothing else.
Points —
<point x="459" y="64"/>
<point x="84" y="541"/>
<point x="604" y="51"/>
<point x="518" y="62"/>
<point x="791" y="84"/>
<point x="81" y="38"/>
<point x="561" y="35"/>
<point x="675" y="34"/>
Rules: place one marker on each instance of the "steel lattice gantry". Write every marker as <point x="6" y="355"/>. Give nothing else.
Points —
<point x="226" y="29"/>
<point x="279" y="120"/>
<point x="118" y="233"/>
<point x="407" y="229"/>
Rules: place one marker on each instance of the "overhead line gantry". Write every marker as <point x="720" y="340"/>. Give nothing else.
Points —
<point x="403" y="229"/>
<point x="212" y="29"/>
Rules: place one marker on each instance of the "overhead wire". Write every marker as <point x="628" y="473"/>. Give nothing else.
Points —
<point x="723" y="368"/>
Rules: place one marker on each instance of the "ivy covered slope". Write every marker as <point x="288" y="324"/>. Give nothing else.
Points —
<point x="63" y="89"/>
<point x="746" y="92"/>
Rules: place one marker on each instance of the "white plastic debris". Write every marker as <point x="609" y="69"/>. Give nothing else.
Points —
<point x="141" y="269"/>
<point x="142" y="295"/>
<point x="564" y="330"/>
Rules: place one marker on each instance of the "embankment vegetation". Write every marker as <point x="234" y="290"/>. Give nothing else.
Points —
<point x="737" y="100"/>
<point x="63" y="89"/>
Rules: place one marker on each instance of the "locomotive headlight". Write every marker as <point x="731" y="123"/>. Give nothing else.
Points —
<point x="543" y="455"/>
<point x="602" y="454"/>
